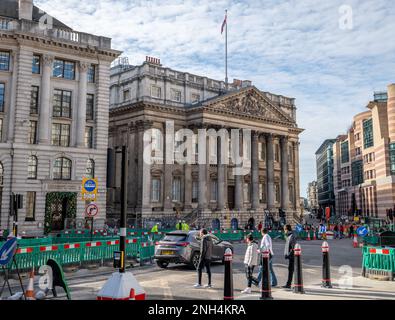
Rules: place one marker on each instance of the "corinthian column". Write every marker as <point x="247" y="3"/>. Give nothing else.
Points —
<point x="239" y="178"/>
<point x="81" y="116"/>
<point x="255" y="170"/>
<point x="44" y="119"/>
<point x="270" y="171"/>
<point x="284" y="173"/>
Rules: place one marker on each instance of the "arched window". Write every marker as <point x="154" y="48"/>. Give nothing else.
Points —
<point x="1" y="174"/>
<point x="62" y="169"/>
<point x="32" y="168"/>
<point x="90" y="168"/>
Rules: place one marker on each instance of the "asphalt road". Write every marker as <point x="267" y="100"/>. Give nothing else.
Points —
<point x="176" y="282"/>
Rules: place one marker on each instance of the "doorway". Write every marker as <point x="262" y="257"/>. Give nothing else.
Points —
<point x="231" y="197"/>
<point x="58" y="207"/>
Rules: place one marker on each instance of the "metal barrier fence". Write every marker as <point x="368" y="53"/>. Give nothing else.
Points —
<point x="81" y="253"/>
<point x="378" y="261"/>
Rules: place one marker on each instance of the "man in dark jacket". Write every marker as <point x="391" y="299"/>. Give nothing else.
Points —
<point x="289" y="254"/>
<point x="206" y="251"/>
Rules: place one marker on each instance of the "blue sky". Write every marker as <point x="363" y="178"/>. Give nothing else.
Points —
<point x="295" y="48"/>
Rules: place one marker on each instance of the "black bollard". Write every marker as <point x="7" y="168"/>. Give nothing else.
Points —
<point x="298" y="285"/>
<point x="326" y="272"/>
<point x="228" y="277"/>
<point x="266" y="288"/>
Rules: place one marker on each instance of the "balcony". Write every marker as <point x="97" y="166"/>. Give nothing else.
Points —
<point x="43" y="30"/>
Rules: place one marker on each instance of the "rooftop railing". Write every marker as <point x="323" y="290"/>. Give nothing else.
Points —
<point x="45" y="30"/>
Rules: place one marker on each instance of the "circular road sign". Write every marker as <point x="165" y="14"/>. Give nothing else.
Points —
<point x="91" y="210"/>
<point x="362" y="231"/>
<point x="90" y="185"/>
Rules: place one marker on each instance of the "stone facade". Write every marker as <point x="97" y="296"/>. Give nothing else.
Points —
<point x="312" y="196"/>
<point x="151" y="96"/>
<point x="34" y="80"/>
<point x="365" y="160"/>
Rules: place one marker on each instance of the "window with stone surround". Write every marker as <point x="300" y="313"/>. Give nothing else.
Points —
<point x="91" y="73"/>
<point x="276" y="152"/>
<point x="155" y="92"/>
<point x="291" y="193"/>
<point x="90" y="168"/>
<point x="4" y="60"/>
<point x="368" y="133"/>
<point x="62" y="104"/>
<point x="89" y="137"/>
<point x="262" y="151"/>
<point x="2" y="93"/>
<point x="262" y="192"/>
<point x="62" y="169"/>
<point x="33" y="132"/>
<point x="126" y="95"/>
<point x="60" y="134"/>
<point x="214" y="190"/>
<point x="345" y="156"/>
<point x="30" y="205"/>
<point x="32" y="167"/>
<point x="246" y="191"/>
<point x="195" y="191"/>
<point x="392" y="158"/>
<point x="175" y="95"/>
<point x="277" y="192"/>
<point x="176" y="189"/>
<point x="90" y="106"/>
<point x="36" y="64"/>
<point x="290" y="155"/>
<point x="34" y="94"/>
<point x="155" y="189"/>
<point x="64" y="69"/>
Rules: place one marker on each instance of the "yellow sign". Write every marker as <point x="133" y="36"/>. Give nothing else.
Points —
<point x="356" y="219"/>
<point x="89" y="188"/>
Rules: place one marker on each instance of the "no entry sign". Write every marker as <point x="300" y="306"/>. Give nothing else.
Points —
<point x="91" y="210"/>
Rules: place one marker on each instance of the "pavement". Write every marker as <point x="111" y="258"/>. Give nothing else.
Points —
<point x="176" y="282"/>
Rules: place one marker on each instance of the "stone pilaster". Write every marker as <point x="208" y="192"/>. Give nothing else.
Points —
<point x="81" y="112"/>
<point x="255" y="171"/>
<point x="44" y="119"/>
<point x="284" y="173"/>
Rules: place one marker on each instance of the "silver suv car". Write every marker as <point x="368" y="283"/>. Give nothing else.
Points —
<point x="182" y="247"/>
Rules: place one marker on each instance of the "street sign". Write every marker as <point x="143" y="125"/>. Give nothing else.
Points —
<point x="362" y="231"/>
<point x="89" y="188"/>
<point x="91" y="210"/>
<point x="7" y="251"/>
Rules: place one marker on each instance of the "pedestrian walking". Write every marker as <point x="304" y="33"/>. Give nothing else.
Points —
<point x="266" y="242"/>
<point x="336" y="231"/>
<point x="289" y="254"/>
<point x="250" y="261"/>
<point x="206" y="250"/>
<point x="351" y="231"/>
<point x="179" y="225"/>
<point x="260" y="226"/>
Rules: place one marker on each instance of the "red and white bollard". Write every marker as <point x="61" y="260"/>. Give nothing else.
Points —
<point x="228" y="276"/>
<point x="298" y="285"/>
<point x="326" y="273"/>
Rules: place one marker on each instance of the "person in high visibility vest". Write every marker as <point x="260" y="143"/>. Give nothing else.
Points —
<point x="185" y="226"/>
<point x="155" y="228"/>
<point x="179" y="225"/>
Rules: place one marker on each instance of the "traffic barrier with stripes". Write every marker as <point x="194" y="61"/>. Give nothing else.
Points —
<point x="378" y="261"/>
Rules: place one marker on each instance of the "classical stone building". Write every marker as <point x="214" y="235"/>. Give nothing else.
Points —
<point x="150" y="96"/>
<point x="312" y="196"/>
<point x="54" y="98"/>
<point x="364" y="160"/>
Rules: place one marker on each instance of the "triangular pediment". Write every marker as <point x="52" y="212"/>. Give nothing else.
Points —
<point x="250" y="102"/>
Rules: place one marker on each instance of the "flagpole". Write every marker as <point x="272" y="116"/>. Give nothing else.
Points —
<point x="226" y="50"/>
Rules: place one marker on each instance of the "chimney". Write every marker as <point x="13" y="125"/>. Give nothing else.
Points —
<point x="391" y="111"/>
<point x="26" y="9"/>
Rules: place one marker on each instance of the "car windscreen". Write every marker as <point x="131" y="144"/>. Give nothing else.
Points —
<point x="174" y="237"/>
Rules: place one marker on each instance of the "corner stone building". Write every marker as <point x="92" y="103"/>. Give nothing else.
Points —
<point x="146" y="96"/>
<point x="54" y="98"/>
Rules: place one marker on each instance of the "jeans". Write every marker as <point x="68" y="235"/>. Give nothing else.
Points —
<point x="273" y="277"/>
<point x="204" y="263"/>
<point x="249" y="275"/>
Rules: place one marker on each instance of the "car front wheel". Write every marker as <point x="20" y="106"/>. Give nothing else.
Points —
<point x="195" y="260"/>
<point x="162" y="264"/>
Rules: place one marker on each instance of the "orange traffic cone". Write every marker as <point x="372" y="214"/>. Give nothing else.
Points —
<point x="308" y="235"/>
<point x="314" y="235"/>
<point x="355" y="241"/>
<point x="29" y="294"/>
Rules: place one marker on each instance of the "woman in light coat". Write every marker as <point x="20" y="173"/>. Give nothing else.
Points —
<point x="250" y="261"/>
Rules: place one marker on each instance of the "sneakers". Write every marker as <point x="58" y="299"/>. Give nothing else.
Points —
<point x="208" y="286"/>
<point x="286" y="287"/>
<point x="197" y="286"/>
<point x="246" y="290"/>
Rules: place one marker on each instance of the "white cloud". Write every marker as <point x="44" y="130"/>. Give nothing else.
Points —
<point x="293" y="47"/>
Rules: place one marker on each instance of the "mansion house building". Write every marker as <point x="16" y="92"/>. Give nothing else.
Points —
<point x="148" y="96"/>
<point x="54" y="98"/>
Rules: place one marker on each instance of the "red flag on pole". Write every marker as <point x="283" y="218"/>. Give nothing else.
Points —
<point x="224" y="24"/>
